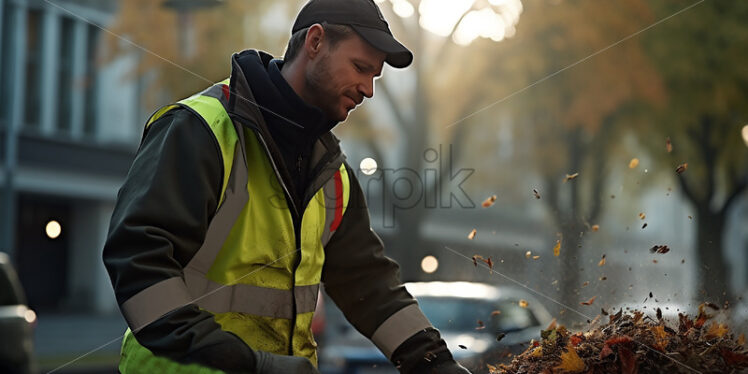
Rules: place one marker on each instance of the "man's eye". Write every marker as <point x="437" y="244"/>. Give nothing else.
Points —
<point x="359" y="68"/>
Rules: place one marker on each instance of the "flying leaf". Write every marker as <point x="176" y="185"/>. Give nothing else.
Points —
<point x="642" y="216"/>
<point x="589" y="302"/>
<point x="480" y="326"/>
<point x="528" y="254"/>
<point x="570" y="177"/>
<point x="602" y="261"/>
<point x="523" y="303"/>
<point x="681" y="168"/>
<point x="661" y="249"/>
<point x="633" y="163"/>
<point x="595" y="227"/>
<point x="557" y="248"/>
<point x="537" y="194"/>
<point x="488" y="202"/>
<point x="471" y="236"/>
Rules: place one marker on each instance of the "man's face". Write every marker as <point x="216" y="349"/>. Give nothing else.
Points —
<point x="339" y="79"/>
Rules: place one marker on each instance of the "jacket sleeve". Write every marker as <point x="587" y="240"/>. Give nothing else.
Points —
<point x="366" y="286"/>
<point x="159" y="222"/>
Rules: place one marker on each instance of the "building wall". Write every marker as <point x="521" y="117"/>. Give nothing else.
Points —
<point x="69" y="127"/>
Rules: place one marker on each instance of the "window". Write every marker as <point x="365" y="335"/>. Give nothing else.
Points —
<point x="65" y="75"/>
<point x="5" y="61"/>
<point x="33" y="68"/>
<point x="91" y="94"/>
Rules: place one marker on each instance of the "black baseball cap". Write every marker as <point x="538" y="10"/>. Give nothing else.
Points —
<point x="364" y="17"/>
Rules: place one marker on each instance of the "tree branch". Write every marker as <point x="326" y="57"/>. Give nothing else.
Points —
<point x="397" y="110"/>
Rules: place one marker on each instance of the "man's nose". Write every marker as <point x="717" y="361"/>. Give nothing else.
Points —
<point x="366" y="88"/>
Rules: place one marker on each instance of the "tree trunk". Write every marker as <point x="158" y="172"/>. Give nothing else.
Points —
<point x="713" y="270"/>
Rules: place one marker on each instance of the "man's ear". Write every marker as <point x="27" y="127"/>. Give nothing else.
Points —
<point x="314" y="38"/>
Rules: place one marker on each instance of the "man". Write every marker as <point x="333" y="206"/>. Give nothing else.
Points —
<point x="239" y="204"/>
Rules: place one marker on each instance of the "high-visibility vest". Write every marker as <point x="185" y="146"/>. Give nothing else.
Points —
<point x="248" y="272"/>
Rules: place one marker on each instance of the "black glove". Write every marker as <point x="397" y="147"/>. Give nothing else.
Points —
<point x="449" y="367"/>
<point x="426" y="352"/>
<point x="269" y="363"/>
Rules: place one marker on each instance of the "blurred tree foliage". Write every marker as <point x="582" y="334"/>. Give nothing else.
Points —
<point x="701" y="56"/>
<point x="576" y="104"/>
<point x="157" y="35"/>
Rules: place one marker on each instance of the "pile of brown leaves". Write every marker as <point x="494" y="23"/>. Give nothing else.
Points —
<point x="633" y="343"/>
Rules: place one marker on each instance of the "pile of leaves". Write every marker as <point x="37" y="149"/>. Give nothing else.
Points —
<point x="635" y="343"/>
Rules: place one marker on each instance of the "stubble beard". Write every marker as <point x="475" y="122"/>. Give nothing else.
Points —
<point x="318" y="84"/>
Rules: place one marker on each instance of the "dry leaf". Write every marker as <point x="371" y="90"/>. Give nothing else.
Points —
<point x="644" y="225"/>
<point x="492" y="369"/>
<point x="535" y="257"/>
<point x="523" y="303"/>
<point x="633" y="163"/>
<point x="716" y="331"/>
<point x="589" y="302"/>
<point x="462" y="346"/>
<point x="480" y="326"/>
<point x="537" y="194"/>
<point x="585" y="284"/>
<point x="570" y="177"/>
<point x="642" y="216"/>
<point x="495" y="313"/>
<point x="500" y="336"/>
<point x="570" y="361"/>
<point x="488" y="202"/>
<point x="668" y="145"/>
<point x="528" y="254"/>
<point x="661" y="249"/>
<point x="595" y="227"/>
<point x="472" y="234"/>
<point x="557" y="248"/>
<point x="681" y="168"/>
<point x="661" y="338"/>
<point x="602" y="261"/>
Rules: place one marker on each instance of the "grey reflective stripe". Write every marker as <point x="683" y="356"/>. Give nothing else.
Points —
<point x="235" y="198"/>
<point x="398" y="328"/>
<point x="244" y="298"/>
<point x="155" y="301"/>
<point x="328" y="190"/>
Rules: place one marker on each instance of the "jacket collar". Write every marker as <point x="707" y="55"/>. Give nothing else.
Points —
<point x="326" y="154"/>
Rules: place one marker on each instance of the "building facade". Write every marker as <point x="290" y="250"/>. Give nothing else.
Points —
<point x="70" y="124"/>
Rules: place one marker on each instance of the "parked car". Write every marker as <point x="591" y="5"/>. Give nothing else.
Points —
<point x="17" y="322"/>
<point x="455" y="308"/>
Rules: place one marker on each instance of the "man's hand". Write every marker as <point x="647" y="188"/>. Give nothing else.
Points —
<point x="268" y="363"/>
<point x="449" y="367"/>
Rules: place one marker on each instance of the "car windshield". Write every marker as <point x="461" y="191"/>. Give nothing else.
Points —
<point x="461" y="314"/>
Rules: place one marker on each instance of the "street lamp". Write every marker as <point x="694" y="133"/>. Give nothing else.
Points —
<point x="185" y="32"/>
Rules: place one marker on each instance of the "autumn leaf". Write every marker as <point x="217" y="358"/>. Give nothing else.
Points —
<point x="495" y="313"/>
<point x="557" y="248"/>
<point x="570" y="361"/>
<point x="570" y="177"/>
<point x="528" y="254"/>
<point x="661" y="338"/>
<point x="716" y="331"/>
<point x="628" y="361"/>
<point x="589" y="302"/>
<point x="681" y="168"/>
<point x="633" y="163"/>
<point x="471" y="236"/>
<point x="480" y="326"/>
<point x="602" y="261"/>
<point x="476" y="258"/>
<point x="489" y="201"/>
<point x="662" y="249"/>
<point x="642" y="216"/>
<point x="595" y="227"/>
<point x="537" y="194"/>
<point x="523" y="303"/>
<point x="732" y="358"/>
<point x="668" y="145"/>
<point x="462" y="346"/>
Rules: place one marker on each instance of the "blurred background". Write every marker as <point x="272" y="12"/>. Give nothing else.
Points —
<point x="602" y="128"/>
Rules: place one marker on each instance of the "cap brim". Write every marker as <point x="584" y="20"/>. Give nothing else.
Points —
<point x="398" y="56"/>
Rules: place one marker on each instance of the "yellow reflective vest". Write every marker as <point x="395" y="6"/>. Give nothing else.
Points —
<point x="249" y="272"/>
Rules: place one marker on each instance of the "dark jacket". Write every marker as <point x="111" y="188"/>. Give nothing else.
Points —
<point x="169" y="198"/>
